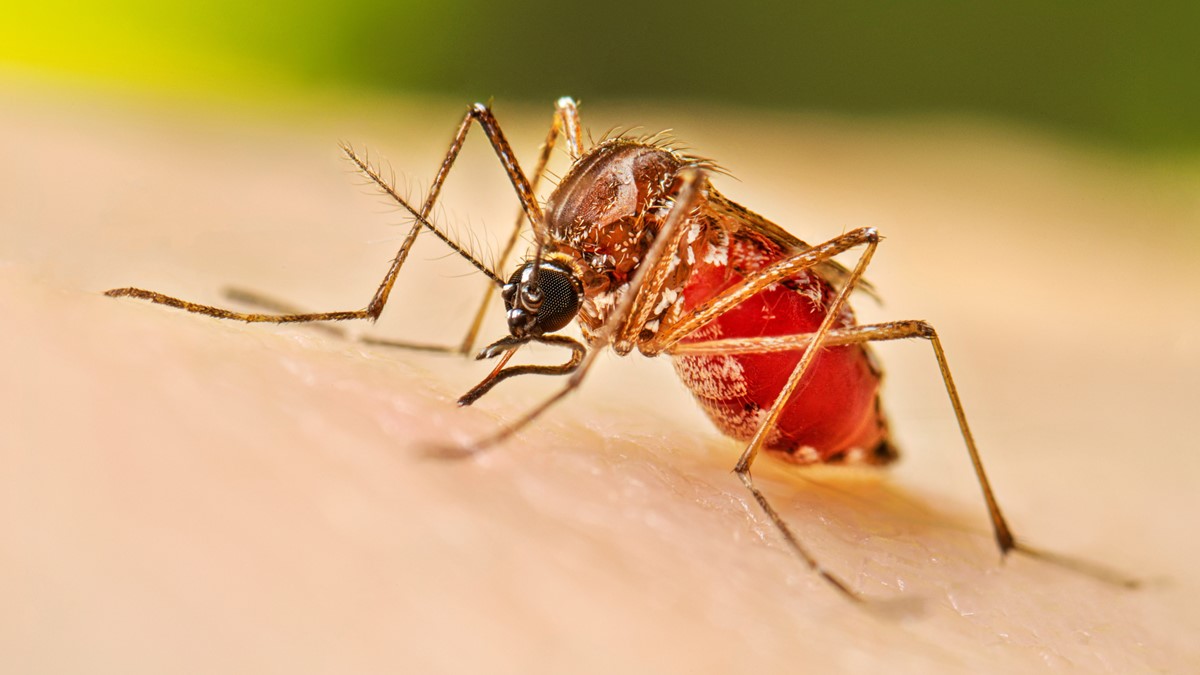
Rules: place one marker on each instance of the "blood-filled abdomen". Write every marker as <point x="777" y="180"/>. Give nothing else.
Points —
<point x="835" y="415"/>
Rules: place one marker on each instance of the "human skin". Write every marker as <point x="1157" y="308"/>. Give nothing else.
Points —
<point x="182" y="494"/>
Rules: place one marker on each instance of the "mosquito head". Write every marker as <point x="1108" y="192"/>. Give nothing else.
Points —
<point x="541" y="298"/>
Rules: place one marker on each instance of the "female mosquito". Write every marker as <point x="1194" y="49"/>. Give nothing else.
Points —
<point x="637" y="247"/>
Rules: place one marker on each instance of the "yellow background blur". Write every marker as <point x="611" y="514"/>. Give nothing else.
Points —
<point x="1101" y="71"/>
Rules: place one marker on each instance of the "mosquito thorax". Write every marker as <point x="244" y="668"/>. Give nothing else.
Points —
<point x="541" y="297"/>
<point x="603" y="211"/>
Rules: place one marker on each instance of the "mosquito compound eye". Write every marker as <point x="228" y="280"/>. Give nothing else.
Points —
<point x="543" y="304"/>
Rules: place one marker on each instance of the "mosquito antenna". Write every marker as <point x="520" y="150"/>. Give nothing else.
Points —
<point x="389" y="188"/>
<point x="539" y="247"/>
<point x="537" y="266"/>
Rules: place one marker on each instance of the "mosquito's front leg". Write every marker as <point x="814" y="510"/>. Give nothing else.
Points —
<point x="478" y="113"/>
<point x="491" y="128"/>
<point x="565" y="124"/>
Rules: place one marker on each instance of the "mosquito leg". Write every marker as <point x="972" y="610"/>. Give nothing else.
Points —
<point x="902" y="330"/>
<point x="792" y="542"/>
<point x="276" y="306"/>
<point x="220" y="313"/>
<point x="481" y="114"/>
<point x="690" y="191"/>
<point x="478" y="113"/>
<point x="566" y="124"/>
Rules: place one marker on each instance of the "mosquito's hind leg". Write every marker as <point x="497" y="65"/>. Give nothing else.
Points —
<point x="904" y="330"/>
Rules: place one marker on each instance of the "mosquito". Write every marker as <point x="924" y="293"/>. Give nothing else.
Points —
<point x="638" y="248"/>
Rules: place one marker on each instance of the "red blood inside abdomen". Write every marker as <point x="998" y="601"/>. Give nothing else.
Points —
<point x="832" y="416"/>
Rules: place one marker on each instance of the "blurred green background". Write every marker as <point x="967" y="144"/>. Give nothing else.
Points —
<point x="1112" y="72"/>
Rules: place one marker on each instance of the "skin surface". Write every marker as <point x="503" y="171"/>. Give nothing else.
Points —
<point x="181" y="494"/>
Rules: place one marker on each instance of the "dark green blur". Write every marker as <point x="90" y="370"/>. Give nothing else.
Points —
<point x="1113" y="72"/>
